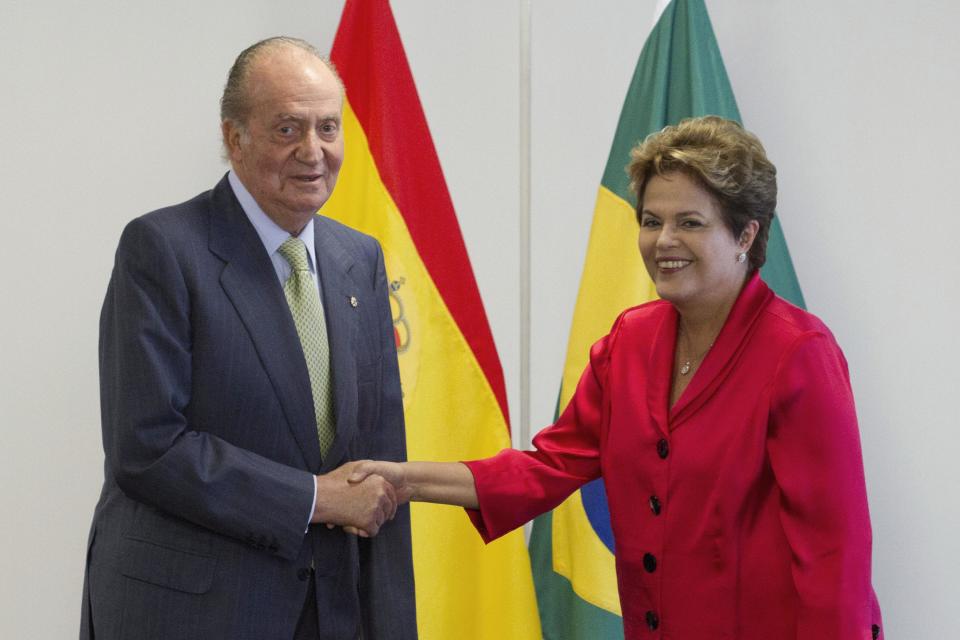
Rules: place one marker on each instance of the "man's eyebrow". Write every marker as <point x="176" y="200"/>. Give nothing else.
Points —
<point x="335" y="117"/>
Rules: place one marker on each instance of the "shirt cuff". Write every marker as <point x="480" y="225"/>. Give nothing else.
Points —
<point x="313" y="505"/>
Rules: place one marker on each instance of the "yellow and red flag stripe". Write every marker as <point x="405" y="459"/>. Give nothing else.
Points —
<point x="391" y="186"/>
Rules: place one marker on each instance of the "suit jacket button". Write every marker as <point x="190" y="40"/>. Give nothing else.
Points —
<point x="655" y="505"/>
<point x="875" y="630"/>
<point x="303" y="574"/>
<point x="663" y="448"/>
<point x="653" y="621"/>
<point x="649" y="562"/>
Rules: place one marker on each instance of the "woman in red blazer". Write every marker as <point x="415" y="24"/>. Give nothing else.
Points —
<point x="720" y="416"/>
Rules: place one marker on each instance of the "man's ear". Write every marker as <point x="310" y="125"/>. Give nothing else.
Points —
<point x="232" y="139"/>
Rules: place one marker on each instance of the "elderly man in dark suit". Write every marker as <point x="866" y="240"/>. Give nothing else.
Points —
<point x="246" y="357"/>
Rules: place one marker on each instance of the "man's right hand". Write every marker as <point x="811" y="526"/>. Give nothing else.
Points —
<point x="392" y="472"/>
<point x="362" y="506"/>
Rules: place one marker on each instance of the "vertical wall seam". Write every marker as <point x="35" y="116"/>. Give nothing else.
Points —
<point x="521" y="436"/>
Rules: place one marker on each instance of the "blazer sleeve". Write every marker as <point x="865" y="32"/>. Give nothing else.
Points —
<point x="814" y="448"/>
<point x="154" y="454"/>
<point x="387" y="597"/>
<point x="514" y="486"/>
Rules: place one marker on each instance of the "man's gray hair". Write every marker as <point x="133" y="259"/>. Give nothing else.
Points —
<point x="234" y="105"/>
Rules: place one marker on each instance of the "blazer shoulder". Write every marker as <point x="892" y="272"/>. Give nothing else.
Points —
<point x="792" y="321"/>
<point x="638" y="320"/>
<point x="642" y="315"/>
<point x="177" y="224"/>
<point x="784" y="329"/>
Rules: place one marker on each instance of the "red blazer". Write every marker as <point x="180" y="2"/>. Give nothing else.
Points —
<point x="760" y="528"/>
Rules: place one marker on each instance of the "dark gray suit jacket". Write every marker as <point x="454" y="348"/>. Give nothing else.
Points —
<point x="211" y="441"/>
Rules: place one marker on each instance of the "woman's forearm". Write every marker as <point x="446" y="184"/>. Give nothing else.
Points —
<point x="441" y="482"/>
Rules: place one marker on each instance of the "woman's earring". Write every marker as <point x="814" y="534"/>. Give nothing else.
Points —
<point x="742" y="257"/>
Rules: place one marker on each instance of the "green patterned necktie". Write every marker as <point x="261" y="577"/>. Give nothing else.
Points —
<point x="303" y="296"/>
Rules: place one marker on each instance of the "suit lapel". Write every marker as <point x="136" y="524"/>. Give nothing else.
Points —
<point x="250" y="281"/>
<point x="334" y="265"/>
<point x="721" y="358"/>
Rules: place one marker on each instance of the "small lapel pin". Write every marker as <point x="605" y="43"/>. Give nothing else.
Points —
<point x="353" y="301"/>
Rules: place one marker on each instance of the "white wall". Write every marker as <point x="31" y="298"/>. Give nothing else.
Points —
<point x="110" y="109"/>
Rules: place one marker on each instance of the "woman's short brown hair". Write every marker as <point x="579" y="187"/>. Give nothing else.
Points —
<point x="726" y="159"/>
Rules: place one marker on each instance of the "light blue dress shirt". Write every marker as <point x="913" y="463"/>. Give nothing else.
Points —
<point x="272" y="235"/>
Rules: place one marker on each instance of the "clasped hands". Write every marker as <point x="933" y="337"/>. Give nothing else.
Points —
<point x="361" y="496"/>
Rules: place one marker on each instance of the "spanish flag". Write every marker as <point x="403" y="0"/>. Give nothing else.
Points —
<point x="679" y="74"/>
<point x="391" y="187"/>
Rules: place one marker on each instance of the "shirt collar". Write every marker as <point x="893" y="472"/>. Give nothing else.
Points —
<point x="271" y="234"/>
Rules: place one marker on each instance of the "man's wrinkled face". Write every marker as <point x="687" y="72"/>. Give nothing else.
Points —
<point x="289" y="151"/>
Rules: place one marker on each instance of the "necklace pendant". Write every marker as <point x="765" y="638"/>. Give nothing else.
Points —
<point x="685" y="368"/>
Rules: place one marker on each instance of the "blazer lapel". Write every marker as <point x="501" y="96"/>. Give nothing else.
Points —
<point x="660" y="368"/>
<point x="250" y="281"/>
<point x="334" y="265"/>
<point x="721" y="358"/>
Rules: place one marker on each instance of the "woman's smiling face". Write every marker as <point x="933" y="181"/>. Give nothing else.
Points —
<point x="687" y="248"/>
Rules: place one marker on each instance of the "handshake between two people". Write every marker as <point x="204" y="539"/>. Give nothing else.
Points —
<point x="363" y="495"/>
